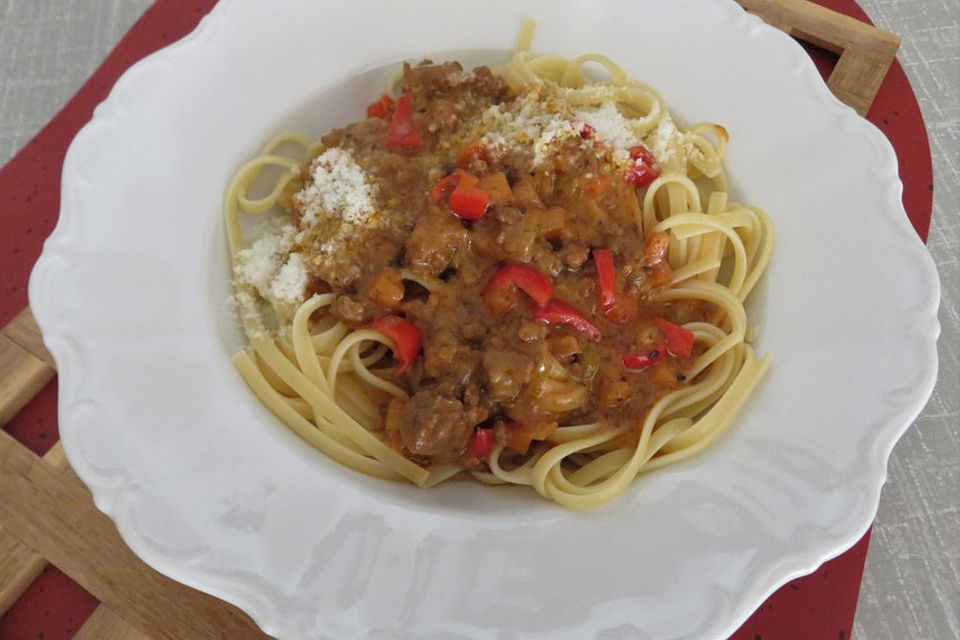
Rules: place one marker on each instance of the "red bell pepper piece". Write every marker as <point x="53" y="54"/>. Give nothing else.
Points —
<point x="469" y="203"/>
<point x="517" y="276"/>
<point x="679" y="341"/>
<point x="406" y="338"/>
<point x="644" y="170"/>
<point x="641" y="153"/>
<point x="444" y="185"/>
<point x="641" y="175"/>
<point x="559" y="312"/>
<point x="644" y="359"/>
<point x="586" y="131"/>
<point x="482" y="443"/>
<point x="402" y="132"/>
<point x="606" y="277"/>
<point x="449" y="182"/>
<point x="381" y="108"/>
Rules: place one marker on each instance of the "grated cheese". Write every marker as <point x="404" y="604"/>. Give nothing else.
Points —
<point x="335" y="205"/>
<point x="258" y="264"/>
<point x="672" y="148"/>
<point x="458" y="78"/>
<point x="553" y="135"/>
<point x="535" y="122"/>
<point x="611" y="127"/>
<point x="249" y="312"/>
<point x="291" y="280"/>
<point x="268" y="270"/>
<point x="338" y="189"/>
<point x="660" y="142"/>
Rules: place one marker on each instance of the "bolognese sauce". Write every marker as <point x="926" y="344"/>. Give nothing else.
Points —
<point x="492" y="235"/>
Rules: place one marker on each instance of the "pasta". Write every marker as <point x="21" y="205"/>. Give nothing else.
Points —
<point x="563" y="308"/>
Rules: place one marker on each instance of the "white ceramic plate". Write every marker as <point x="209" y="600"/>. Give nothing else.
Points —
<point x="207" y="487"/>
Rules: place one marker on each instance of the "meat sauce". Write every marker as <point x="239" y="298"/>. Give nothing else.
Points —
<point x="490" y="360"/>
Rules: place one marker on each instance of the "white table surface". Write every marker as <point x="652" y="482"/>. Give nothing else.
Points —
<point x="911" y="584"/>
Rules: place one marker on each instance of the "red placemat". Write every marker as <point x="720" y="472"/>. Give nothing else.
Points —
<point x="820" y="605"/>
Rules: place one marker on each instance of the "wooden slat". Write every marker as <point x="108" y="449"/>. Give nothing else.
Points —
<point x="104" y="624"/>
<point x="19" y="564"/>
<point x="19" y="567"/>
<point x="56" y="514"/>
<point x="25" y="368"/>
<point x="866" y="52"/>
<point x="24" y="331"/>
<point x="856" y="79"/>
<point x="22" y="376"/>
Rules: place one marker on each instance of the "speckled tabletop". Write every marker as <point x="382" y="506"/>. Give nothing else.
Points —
<point x="911" y="584"/>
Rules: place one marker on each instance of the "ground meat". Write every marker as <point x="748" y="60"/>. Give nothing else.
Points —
<point x="517" y="244"/>
<point x="474" y="330"/>
<point x="574" y="255"/>
<point x="435" y="241"/>
<point x="506" y="372"/>
<point x="446" y="357"/>
<point x="353" y="311"/>
<point x="530" y="331"/>
<point x="426" y="81"/>
<point x="434" y="424"/>
<point x="525" y="195"/>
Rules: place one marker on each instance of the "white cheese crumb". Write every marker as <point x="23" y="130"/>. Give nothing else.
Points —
<point x="291" y="281"/>
<point x="531" y="123"/>
<point x="664" y="140"/>
<point x="338" y="189"/>
<point x="268" y="269"/>
<point x="553" y="135"/>
<point x="249" y="313"/>
<point x="258" y="264"/>
<point x="461" y="77"/>
<point x="672" y="148"/>
<point x="336" y="206"/>
<point x="612" y="128"/>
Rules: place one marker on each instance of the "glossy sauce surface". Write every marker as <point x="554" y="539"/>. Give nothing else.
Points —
<point x="489" y="359"/>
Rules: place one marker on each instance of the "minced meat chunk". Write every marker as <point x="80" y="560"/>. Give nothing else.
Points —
<point x="433" y="424"/>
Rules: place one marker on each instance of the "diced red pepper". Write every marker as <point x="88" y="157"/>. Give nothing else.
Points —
<point x="482" y="443"/>
<point x="606" y="277"/>
<point x="511" y="277"/>
<point x="640" y="152"/>
<point x="644" y="170"/>
<point x="406" y="338"/>
<point x="557" y="312"/>
<point x="679" y="340"/>
<point x="644" y="359"/>
<point x="469" y="203"/>
<point x="402" y="132"/>
<point x="444" y="185"/>
<point x="449" y="182"/>
<point x="586" y="131"/>
<point x="381" y="108"/>
<point x="641" y="175"/>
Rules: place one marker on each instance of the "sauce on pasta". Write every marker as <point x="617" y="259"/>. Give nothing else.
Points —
<point x="527" y="276"/>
